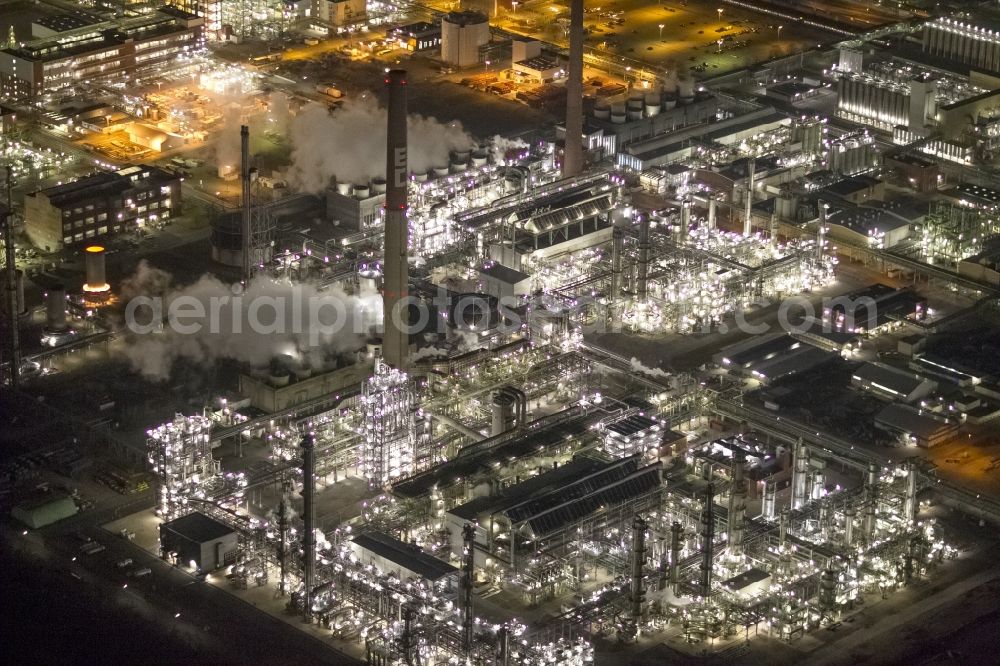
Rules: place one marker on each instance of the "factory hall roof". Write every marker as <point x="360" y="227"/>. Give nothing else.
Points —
<point x="514" y="446"/>
<point x="612" y="483"/>
<point x="103" y="184"/>
<point x="404" y="554"/>
<point x="197" y="527"/>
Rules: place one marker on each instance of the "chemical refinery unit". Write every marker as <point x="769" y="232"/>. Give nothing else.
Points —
<point x="476" y="462"/>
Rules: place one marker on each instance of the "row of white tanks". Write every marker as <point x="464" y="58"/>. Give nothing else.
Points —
<point x="644" y="105"/>
<point x="460" y="161"/>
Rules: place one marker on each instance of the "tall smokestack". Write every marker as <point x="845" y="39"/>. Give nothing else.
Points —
<point x="711" y="213"/>
<point x="245" y="201"/>
<point x="309" y="520"/>
<point x="747" y="221"/>
<point x="573" y="153"/>
<point x="395" y="342"/>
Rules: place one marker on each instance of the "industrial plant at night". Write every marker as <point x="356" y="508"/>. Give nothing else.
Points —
<point x="500" y="333"/>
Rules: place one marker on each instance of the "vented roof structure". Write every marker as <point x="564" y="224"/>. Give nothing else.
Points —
<point x="615" y="483"/>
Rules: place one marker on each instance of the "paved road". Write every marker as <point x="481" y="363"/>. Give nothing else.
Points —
<point x="196" y="614"/>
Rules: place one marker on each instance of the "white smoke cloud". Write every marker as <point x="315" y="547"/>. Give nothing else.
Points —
<point x="349" y="143"/>
<point x="637" y="366"/>
<point x="500" y="145"/>
<point x="270" y="318"/>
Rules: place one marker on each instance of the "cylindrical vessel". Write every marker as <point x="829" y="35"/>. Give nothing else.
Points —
<point x="55" y="309"/>
<point x="503" y="412"/>
<point x="96" y="275"/>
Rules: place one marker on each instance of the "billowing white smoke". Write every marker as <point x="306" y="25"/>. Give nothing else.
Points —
<point x="637" y="366"/>
<point x="278" y="113"/>
<point x="466" y="341"/>
<point x="349" y="143"/>
<point x="227" y="144"/>
<point x="501" y="145"/>
<point x="209" y="320"/>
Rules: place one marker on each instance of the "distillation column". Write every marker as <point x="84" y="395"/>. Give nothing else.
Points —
<point x="707" y="543"/>
<point x="309" y="520"/>
<point x="800" y="473"/>
<point x="676" y="545"/>
<point x="821" y="232"/>
<point x="711" y="212"/>
<point x="737" y="505"/>
<point x="642" y="283"/>
<point x="468" y="569"/>
<point x="770" y="500"/>
<point x="910" y="504"/>
<point x="685" y="219"/>
<point x="747" y="219"/>
<point x="638" y="592"/>
<point x="617" y="250"/>
<point x="395" y="290"/>
<point x="871" y="499"/>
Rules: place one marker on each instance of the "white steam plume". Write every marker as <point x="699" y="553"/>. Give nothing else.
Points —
<point x="349" y="143"/>
<point x="271" y="318"/>
<point x="501" y="145"/>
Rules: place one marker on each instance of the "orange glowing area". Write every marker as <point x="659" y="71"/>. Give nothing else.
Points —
<point x="97" y="288"/>
<point x="95" y="249"/>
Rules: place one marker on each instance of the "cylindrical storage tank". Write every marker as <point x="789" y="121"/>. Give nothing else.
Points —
<point x="362" y="191"/>
<point x="603" y="112"/>
<point x="280" y="372"/>
<point x="618" y="117"/>
<point x="344" y="188"/>
<point x="374" y="347"/>
<point x="95" y="266"/>
<point x="634" y="114"/>
<point x="420" y="177"/>
<point x="635" y="101"/>
<point x="378" y="186"/>
<point x="458" y="167"/>
<point x="440" y="171"/>
<point x="685" y="90"/>
<point x="652" y="104"/>
<point x="474" y="311"/>
<point x="503" y="413"/>
<point x="368" y="280"/>
<point x="460" y="156"/>
<point x="669" y="101"/>
<point x="480" y="158"/>
<point x="55" y="309"/>
<point x="302" y="372"/>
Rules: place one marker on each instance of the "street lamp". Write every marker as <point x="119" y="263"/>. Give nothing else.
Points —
<point x="720" y="12"/>
<point x="661" y="31"/>
<point x="779" y="31"/>
<point x="513" y="12"/>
